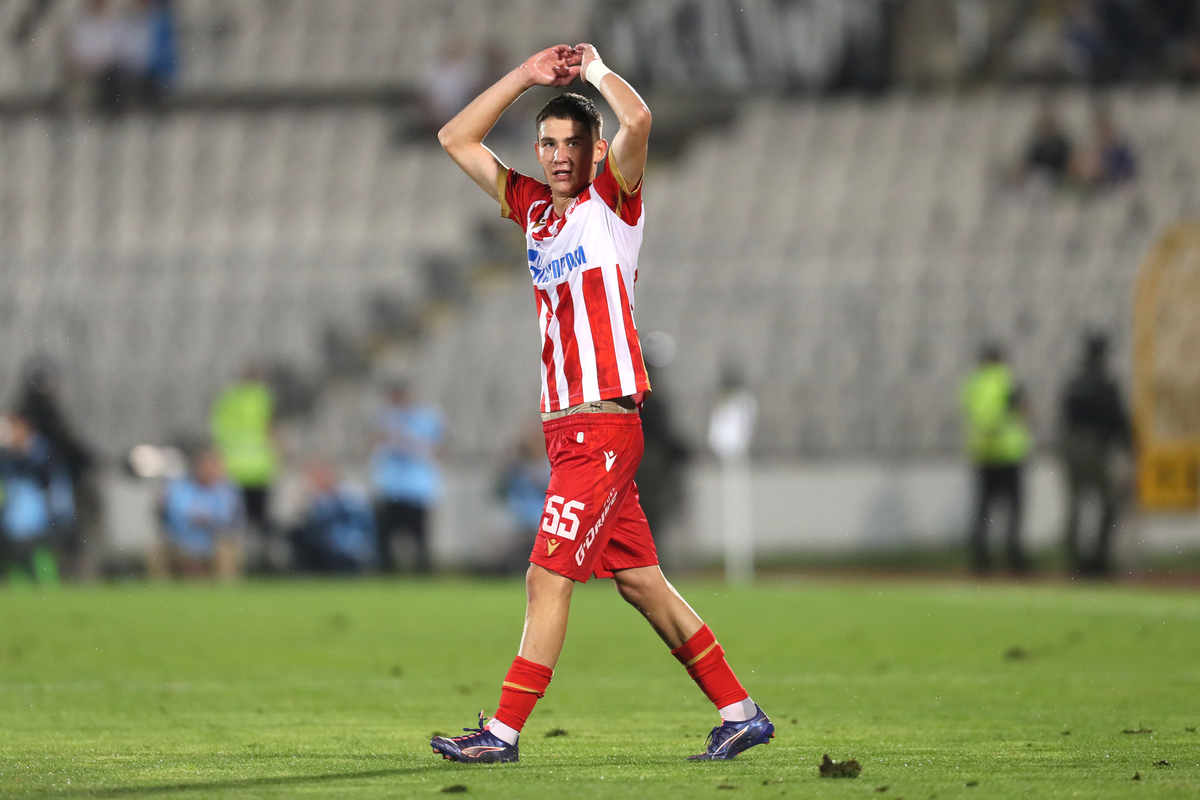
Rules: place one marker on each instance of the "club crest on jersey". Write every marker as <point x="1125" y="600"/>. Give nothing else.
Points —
<point x="553" y="270"/>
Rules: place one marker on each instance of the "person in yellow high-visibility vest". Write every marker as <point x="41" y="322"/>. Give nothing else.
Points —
<point x="242" y="431"/>
<point x="998" y="442"/>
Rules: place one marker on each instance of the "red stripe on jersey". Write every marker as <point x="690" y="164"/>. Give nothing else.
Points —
<point x="572" y="370"/>
<point x="607" y="376"/>
<point x="551" y="400"/>
<point x="631" y="336"/>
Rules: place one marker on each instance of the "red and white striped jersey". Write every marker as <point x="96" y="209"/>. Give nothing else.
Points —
<point x="584" y="267"/>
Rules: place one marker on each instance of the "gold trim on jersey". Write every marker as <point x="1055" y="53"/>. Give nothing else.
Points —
<point x="502" y="191"/>
<point x="616" y="171"/>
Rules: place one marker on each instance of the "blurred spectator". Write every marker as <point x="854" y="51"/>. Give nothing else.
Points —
<point x="1047" y="153"/>
<point x="337" y="532"/>
<point x="453" y="81"/>
<point x="36" y="505"/>
<point x="730" y="433"/>
<point x="201" y="515"/>
<point x="94" y="52"/>
<point x="163" y="68"/>
<point x="124" y="58"/>
<point x="147" y="53"/>
<point x="1088" y="53"/>
<point x="998" y="442"/>
<point x="522" y="484"/>
<point x="39" y="404"/>
<point x="660" y="475"/>
<point x="1109" y="161"/>
<point x="1095" y="426"/>
<point x="242" y="429"/>
<point x="405" y="474"/>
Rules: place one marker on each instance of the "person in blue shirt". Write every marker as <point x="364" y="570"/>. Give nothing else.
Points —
<point x="202" y="515"/>
<point x="522" y="485"/>
<point x="405" y="475"/>
<point x="337" y="532"/>
<point x="37" y="506"/>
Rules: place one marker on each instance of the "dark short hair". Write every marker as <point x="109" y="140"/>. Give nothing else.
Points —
<point x="573" y="107"/>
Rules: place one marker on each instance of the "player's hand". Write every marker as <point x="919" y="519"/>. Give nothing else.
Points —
<point x="587" y="54"/>
<point x="554" y="66"/>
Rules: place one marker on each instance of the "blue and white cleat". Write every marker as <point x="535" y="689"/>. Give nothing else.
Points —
<point x="730" y="738"/>
<point x="479" y="746"/>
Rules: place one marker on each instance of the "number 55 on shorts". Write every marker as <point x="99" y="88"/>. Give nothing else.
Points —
<point x="564" y="523"/>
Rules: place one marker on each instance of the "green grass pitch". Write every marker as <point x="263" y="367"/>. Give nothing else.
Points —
<point x="288" y="689"/>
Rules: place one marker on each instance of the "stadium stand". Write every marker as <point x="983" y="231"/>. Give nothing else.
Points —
<point x="848" y="257"/>
<point x="266" y="45"/>
<point x="153" y="255"/>
<point x="245" y="235"/>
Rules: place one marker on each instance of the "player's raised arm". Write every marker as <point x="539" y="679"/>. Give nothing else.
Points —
<point x="629" y="146"/>
<point x="462" y="137"/>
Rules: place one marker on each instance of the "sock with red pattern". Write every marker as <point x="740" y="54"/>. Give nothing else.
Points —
<point x="523" y="686"/>
<point x="705" y="662"/>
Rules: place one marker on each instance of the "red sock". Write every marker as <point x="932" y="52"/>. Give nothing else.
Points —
<point x="705" y="662"/>
<point x="523" y="686"/>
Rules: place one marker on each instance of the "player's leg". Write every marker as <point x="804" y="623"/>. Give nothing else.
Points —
<point x="647" y="590"/>
<point x="548" y="601"/>
<point x="562" y="554"/>
<point x="633" y="562"/>
<point x="691" y="641"/>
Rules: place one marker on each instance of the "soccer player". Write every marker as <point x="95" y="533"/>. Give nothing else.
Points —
<point x="583" y="231"/>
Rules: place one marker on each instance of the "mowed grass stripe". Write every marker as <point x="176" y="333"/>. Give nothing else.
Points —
<point x="280" y="689"/>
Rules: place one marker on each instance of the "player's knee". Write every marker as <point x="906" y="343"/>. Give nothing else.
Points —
<point x="638" y="587"/>
<point x="636" y="596"/>
<point x="541" y="584"/>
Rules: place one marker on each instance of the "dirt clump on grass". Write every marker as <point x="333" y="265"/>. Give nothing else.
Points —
<point x="555" y="732"/>
<point x="1139" y="730"/>
<point x="839" y="769"/>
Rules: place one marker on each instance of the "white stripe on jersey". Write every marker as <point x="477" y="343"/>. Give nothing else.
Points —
<point x="583" y="338"/>
<point x="612" y="292"/>
<point x="543" y="323"/>
<point x="560" y="372"/>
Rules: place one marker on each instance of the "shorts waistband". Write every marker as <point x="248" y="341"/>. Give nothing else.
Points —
<point x="594" y="420"/>
<point x="622" y="405"/>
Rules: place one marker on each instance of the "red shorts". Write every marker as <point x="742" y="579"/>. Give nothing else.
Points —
<point x="594" y="523"/>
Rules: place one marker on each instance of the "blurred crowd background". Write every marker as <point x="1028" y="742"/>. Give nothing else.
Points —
<point x="913" y="270"/>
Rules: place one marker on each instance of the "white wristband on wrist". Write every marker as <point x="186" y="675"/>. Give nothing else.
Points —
<point x="596" y="72"/>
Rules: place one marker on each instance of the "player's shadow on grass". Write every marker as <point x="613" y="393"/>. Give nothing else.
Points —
<point x="244" y="783"/>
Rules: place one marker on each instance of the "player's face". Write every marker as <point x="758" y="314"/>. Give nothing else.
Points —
<point x="568" y="152"/>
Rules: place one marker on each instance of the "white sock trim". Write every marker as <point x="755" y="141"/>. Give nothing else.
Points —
<point x="505" y="733"/>
<point x="738" y="712"/>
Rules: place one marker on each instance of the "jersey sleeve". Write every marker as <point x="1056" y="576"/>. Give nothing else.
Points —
<point x="517" y="194"/>
<point x="611" y="187"/>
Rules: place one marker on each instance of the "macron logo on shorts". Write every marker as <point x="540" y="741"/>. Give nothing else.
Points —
<point x="551" y="546"/>
<point x="610" y="456"/>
